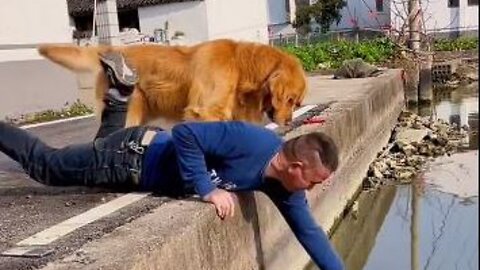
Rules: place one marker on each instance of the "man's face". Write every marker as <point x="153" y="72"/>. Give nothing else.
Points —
<point x="298" y="176"/>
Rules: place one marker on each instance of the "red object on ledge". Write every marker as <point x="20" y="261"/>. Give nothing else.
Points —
<point x="314" y="120"/>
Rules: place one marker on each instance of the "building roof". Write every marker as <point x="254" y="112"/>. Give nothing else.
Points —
<point x="82" y="7"/>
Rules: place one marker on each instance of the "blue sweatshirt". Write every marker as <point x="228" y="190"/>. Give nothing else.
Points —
<point x="232" y="156"/>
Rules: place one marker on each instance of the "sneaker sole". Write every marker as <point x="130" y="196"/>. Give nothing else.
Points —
<point x="119" y="66"/>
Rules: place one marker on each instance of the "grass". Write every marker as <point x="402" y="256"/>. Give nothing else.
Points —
<point x="75" y="109"/>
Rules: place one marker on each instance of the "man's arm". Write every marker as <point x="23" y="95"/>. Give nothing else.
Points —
<point x="296" y="212"/>
<point x="191" y="147"/>
<point x="216" y="140"/>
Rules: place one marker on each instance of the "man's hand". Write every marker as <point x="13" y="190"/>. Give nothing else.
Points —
<point x="224" y="202"/>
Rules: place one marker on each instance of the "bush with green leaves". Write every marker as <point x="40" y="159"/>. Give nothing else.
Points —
<point x="459" y="44"/>
<point x="331" y="54"/>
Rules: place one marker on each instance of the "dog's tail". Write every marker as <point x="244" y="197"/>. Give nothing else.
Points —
<point x="72" y="57"/>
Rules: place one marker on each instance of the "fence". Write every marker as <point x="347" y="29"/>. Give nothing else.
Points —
<point x="311" y="38"/>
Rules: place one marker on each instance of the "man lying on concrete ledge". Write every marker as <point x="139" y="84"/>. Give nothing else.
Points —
<point x="211" y="159"/>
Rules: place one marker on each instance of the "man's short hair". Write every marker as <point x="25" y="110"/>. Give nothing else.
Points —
<point x="306" y="147"/>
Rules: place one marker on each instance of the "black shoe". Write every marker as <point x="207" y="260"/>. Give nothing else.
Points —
<point x="120" y="74"/>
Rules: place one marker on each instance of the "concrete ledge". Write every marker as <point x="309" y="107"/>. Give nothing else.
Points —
<point x="188" y="235"/>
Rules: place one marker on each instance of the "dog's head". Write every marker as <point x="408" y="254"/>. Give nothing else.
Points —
<point x="286" y="88"/>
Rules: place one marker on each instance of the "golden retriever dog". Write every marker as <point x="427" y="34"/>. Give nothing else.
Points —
<point x="212" y="81"/>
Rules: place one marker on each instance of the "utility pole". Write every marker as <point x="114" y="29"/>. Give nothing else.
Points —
<point x="414" y="14"/>
<point x="107" y="22"/>
<point x="423" y="68"/>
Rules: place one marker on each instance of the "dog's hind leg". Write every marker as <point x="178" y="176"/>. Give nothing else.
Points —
<point x="220" y="110"/>
<point x="101" y="87"/>
<point x="212" y="98"/>
<point x="137" y="109"/>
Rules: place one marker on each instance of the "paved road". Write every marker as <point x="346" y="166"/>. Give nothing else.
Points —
<point x="27" y="207"/>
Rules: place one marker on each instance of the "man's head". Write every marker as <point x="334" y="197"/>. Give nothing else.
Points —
<point x="305" y="161"/>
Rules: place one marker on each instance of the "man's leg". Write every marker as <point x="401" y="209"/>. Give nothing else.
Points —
<point x="36" y="157"/>
<point x="122" y="79"/>
<point x="106" y="162"/>
<point x="113" y="161"/>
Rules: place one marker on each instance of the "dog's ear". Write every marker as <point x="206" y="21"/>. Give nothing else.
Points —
<point x="266" y="98"/>
<point x="275" y="86"/>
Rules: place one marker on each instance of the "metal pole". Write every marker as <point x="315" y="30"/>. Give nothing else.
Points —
<point x="94" y="17"/>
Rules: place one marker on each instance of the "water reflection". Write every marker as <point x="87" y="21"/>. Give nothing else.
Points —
<point x="355" y="237"/>
<point x="414" y="228"/>
<point x="411" y="227"/>
<point x="431" y="224"/>
<point x="458" y="107"/>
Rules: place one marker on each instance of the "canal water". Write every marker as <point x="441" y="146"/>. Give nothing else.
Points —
<point x="430" y="224"/>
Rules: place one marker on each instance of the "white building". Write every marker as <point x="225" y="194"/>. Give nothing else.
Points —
<point x="364" y="15"/>
<point x="195" y="21"/>
<point x="440" y="16"/>
<point x="281" y="15"/>
<point x="30" y="83"/>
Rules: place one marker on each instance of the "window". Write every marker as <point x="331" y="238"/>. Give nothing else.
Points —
<point x="453" y="3"/>
<point x="379" y="5"/>
<point x="128" y="19"/>
<point x="473" y="2"/>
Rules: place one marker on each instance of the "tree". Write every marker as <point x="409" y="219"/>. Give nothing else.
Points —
<point x="323" y="12"/>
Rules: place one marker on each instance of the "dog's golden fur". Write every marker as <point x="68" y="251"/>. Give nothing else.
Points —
<point x="215" y="80"/>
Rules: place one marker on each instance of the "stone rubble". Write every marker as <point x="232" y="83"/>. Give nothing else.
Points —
<point x="465" y="74"/>
<point x="415" y="140"/>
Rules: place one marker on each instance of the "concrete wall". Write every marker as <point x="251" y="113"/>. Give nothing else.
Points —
<point x="29" y="83"/>
<point x="238" y="19"/>
<point x="188" y="17"/>
<point x="186" y="234"/>
<point x="27" y="22"/>
<point x="364" y="14"/>
<point x="441" y="18"/>
<point x="24" y="24"/>
<point x="277" y="12"/>
<point x="209" y="19"/>
<point x="34" y="85"/>
<point x="438" y="16"/>
<point x="279" y="18"/>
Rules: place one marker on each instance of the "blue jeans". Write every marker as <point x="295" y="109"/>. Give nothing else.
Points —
<point x="113" y="159"/>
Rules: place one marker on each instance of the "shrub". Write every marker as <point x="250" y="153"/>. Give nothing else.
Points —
<point x="459" y="44"/>
<point x="331" y="54"/>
